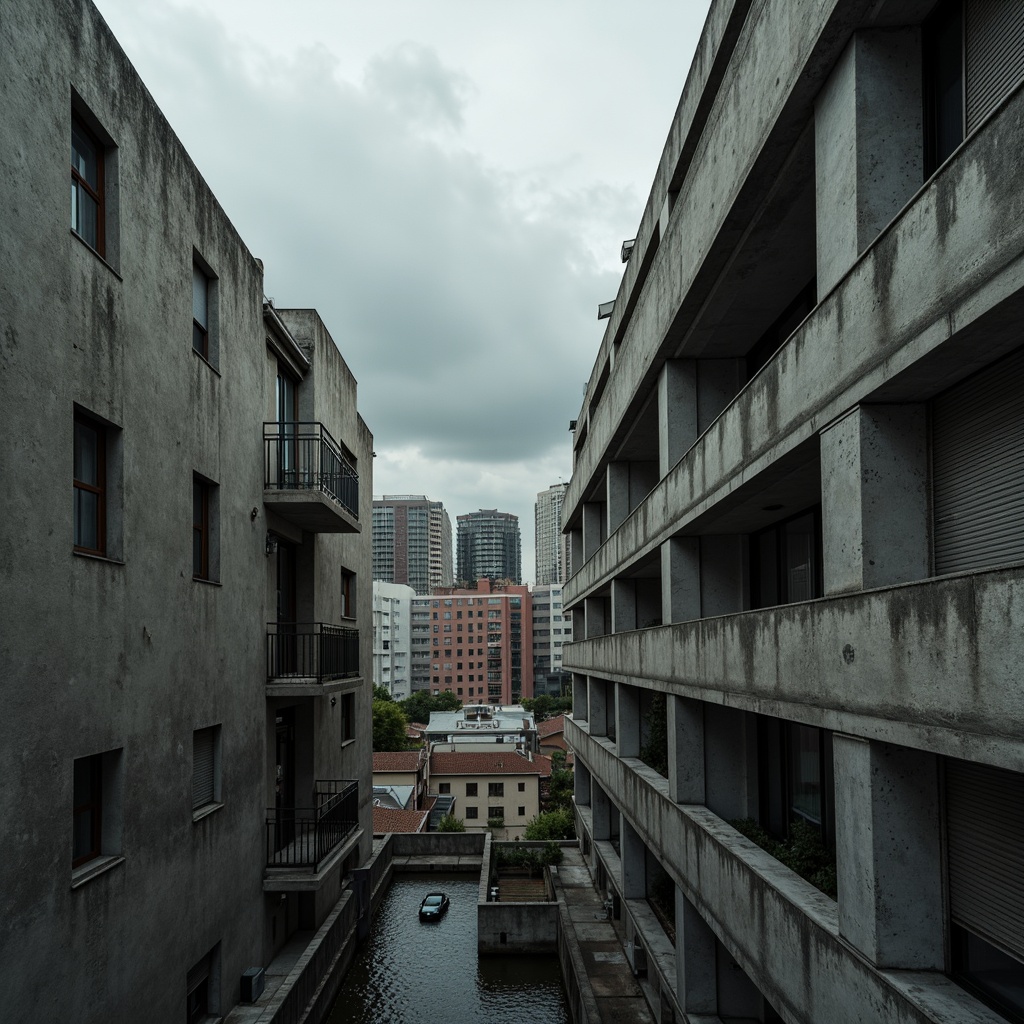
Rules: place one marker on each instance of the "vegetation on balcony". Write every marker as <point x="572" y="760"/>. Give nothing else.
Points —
<point x="654" y="749"/>
<point x="803" y="851"/>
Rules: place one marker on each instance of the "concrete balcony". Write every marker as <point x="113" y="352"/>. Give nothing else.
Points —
<point x="309" y="658"/>
<point x="308" y="480"/>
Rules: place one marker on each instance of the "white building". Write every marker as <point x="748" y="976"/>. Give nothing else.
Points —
<point x="392" y="660"/>
<point x="552" y="631"/>
<point x="550" y="543"/>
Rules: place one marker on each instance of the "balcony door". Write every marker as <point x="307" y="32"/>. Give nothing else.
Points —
<point x="285" y="787"/>
<point x="287" y="640"/>
<point x="286" y="415"/>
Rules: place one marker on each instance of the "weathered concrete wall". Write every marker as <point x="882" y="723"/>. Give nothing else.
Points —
<point x="517" y="927"/>
<point x="439" y="844"/>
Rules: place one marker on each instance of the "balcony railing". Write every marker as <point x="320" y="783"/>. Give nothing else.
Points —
<point x="304" y="457"/>
<point x="304" y="837"/>
<point x="311" y="650"/>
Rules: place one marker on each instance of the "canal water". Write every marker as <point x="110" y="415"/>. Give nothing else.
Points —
<point x="408" y="972"/>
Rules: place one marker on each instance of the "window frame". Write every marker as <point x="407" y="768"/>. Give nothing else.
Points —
<point x="200" y="809"/>
<point x="472" y="789"/>
<point x="99" y="489"/>
<point x="201" y="491"/>
<point x="93" y="806"/>
<point x="781" y="582"/>
<point x="79" y="183"/>
<point x="444" y="788"/>
<point x="201" y="330"/>
<point x="472" y="813"/>
<point x="495" y="789"/>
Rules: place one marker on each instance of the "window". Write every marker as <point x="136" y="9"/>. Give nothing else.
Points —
<point x="495" y="812"/>
<point x="87" y="213"/>
<point x="495" y="788"/>
<point x="202" y="988"/>
<point x="200" y="311"/>
<point x="522" y="812"/>
<point x="471" y="788"/>
<point x="90" y="486"/>
<point x="522" y="787"/>
<point x="943" y="39"/>
<point x="348" y="594"/>
<point x="348" y="717"/>
<point x="444" y="787"/>
<point x="204" y="529"/>
<point x="786" y="561"/>
<point x="205" y="768"/>
<point x="472" y="812"/>
<point x="96" y="808"/>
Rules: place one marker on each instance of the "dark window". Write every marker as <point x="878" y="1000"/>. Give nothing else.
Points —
<point x="86" y="186"/>
<point x="786" y="561"/>
<point x="943" y="64"/>
<point x="784" y="325"/>
<point x="994" y="976"/>
<point x="444" y="787"/>
<point x="522" y="811"/>
<point x="200" y="529"/>
<point x="90" y="486"/>
<point x="205" y="767"/>
<point x="348" y="717"/>
<point x="471" y="812"/>
<point x="348" y="594"/>
<point x="495" y="788"/>
<point x="522" y="787"/>
<point x="471" y="788"/>
<point x="200" y="311"/>
<point x="495" y="812"/>
<point x="88" y="809"/>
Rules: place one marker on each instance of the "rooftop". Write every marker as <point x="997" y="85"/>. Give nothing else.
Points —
<point x="399" y="760"/>
<point x="500" y="762"/>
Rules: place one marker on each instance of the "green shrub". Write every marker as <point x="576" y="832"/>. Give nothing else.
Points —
<point x="449" y="823"/>
<point x="803" y="851"/>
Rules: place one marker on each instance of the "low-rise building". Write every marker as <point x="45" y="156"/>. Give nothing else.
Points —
<point x="481" y="726"/>
<point x="405" y="768"/>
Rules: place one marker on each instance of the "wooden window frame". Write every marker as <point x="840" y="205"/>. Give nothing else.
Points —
<point x="201" y="528"/>
<point x="99" y="488"/>
<point x="96" y="194"/>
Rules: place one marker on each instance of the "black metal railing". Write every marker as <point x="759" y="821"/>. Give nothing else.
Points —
<point x="304" y="456"/>
<point x="304" y="837"/>
<point x="311" y="650"/>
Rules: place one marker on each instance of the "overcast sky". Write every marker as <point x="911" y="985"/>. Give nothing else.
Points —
<point x="448" y="182"/>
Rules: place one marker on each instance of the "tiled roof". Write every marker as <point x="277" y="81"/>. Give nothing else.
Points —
<point x="398" y="761"/>
<point x="387" y="819"/>
<point x="502" y="762"/>
<point x="551" y="726"/>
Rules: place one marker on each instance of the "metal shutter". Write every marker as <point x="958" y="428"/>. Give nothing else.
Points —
<point x="985" y="845"/>
<point x="978" y="469"/>
<point x="203" y="743"/>
<point x="994" y="55"/>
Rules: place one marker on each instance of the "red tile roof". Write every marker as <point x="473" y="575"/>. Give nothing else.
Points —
<point x="398" y="761"/>
<point x="501" y="762"/>
<point x="551" y="726"/>
<point x="388" y="819"/>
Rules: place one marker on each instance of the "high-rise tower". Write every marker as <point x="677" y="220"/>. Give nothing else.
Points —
<point x="412" y="542"/>
<point x="489" y="545"/>
<point x="549" y="541"/>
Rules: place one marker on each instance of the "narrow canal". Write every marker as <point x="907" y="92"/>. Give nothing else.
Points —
<point x="408" y="972"/>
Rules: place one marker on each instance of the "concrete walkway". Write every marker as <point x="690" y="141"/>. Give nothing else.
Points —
<point x="278" y="969"/>
<point x="616" y="994"/>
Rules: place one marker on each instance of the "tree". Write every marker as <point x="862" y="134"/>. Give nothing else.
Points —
<point x="449" y="823"/>
<point x="417" y="706"/>
<point x="547" y="825"/>
<point x="389" y="726"/>
<point x="560" y="789"/>
<point x="546" y="706"/>
<point x="381" y="692"/>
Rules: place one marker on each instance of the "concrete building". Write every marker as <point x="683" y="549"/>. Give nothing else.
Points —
<point x="392" y="654"/>
<point x="551" y="546"/>
<point x="412" y="542"/>
<point x="471" y="643"/>
<point x="489" y="546"/>
<point x="797" y="525"/>
<point x="403" y="768"/>
<point x="552" y="630"/>
<point x="187" y="787"/>
<point x="478" y="727"/>
<point x="488" y="788"/>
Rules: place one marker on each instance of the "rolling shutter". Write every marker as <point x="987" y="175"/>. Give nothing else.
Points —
<point x="978" y="469"/>
<point x="203" y="750"/>
<point x="985" y="846"/>
<point x="994" y="55"/>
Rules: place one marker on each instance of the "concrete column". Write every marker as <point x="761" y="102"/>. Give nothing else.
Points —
<point x="723" y="575"/>
<point x="868" y="145"/>
<point x="617" y="494"/>
<point x="597" y="690"/>
<point x="680" y="579"/>
<point x="634" y="862"/>
<point x="580" y="691"/>
<point x="581" y="785"/>
<point x="593" y="529"/>
<point x="889" y="853"/>
<point x="627" y="720"/>
<point x="623" y="605"/>
<point x="685" y="749"/>
<point x="677" y="411"/>
<point x="875" y="498"/>
<point x="730" y="782"/>
<point x="602" y="812"/>
<point x="596" y="609"/>
<point x="696" y="988"/>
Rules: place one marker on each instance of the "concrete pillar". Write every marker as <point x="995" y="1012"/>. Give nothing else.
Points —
<point x="680" y="579"/>
<point x="623" y="605"/>
<point x="581" y="782"/>
<point x="580" y="688"/>
<point x="596" y="609"/>
<point x="597" y="690"/>
<point x="602" y="812"/>
<point x="627" y="720"/>
<point x="617" y="494"/>
<point x="875" y="498"/>
<point x="677" y="411"/>
<point x="868" y="145"/>
<point x="593" y="529"/>
<point x="634" y="862"/>
<point x="889" y="853"/>
<point x="696" y="988"/>
<point x="730" y="782"/>
<point x="685" y="721"/>
<point x="723" y="575"/>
